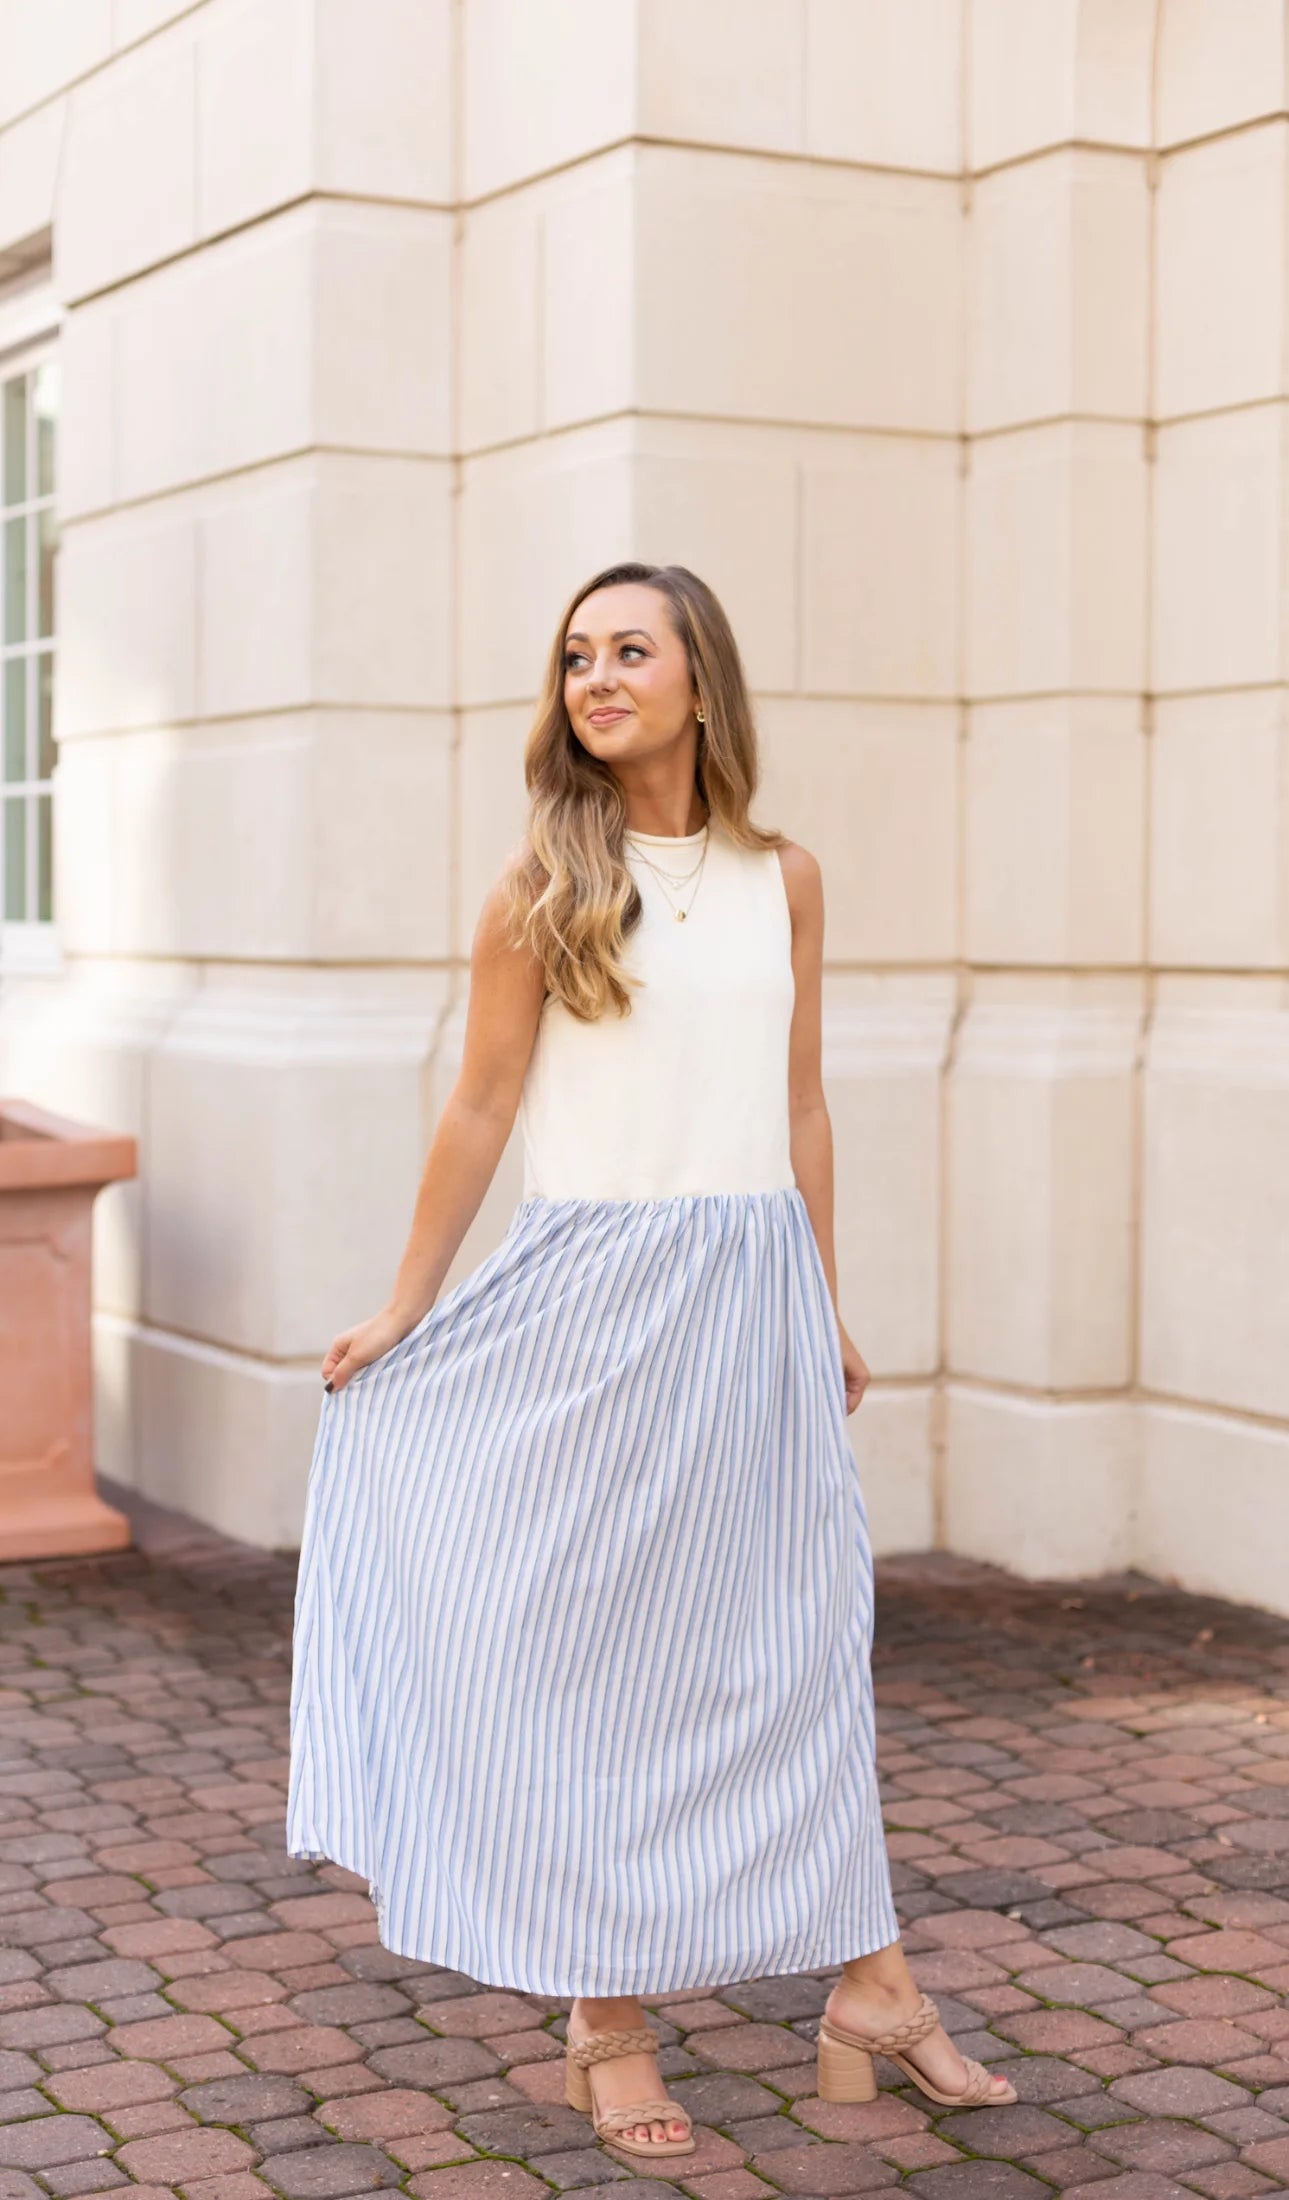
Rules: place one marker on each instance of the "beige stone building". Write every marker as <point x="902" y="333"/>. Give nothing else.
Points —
<point x="949" y="339"/>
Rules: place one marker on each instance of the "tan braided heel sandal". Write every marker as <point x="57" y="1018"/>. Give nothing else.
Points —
<point x="845" y="2071"/>
<point x="610" y="2126"/>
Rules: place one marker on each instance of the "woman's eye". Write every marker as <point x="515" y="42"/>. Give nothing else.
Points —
<point x="576" y="660"/>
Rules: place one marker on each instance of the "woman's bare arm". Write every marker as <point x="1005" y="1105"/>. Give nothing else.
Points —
<point x="810" y="1126"/>
<point x="506" y="991"/>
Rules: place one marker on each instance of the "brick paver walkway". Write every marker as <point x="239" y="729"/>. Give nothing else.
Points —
<point x="1088" y="1795"/>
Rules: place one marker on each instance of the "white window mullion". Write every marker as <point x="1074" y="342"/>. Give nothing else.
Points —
<point x="28" y="332"/>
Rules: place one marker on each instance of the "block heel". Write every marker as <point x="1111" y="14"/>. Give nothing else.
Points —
<point x="577" y="2086"/>
<point x="845" y="2072"/>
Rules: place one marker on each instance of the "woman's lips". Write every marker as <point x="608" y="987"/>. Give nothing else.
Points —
<point x="605" y="717"/>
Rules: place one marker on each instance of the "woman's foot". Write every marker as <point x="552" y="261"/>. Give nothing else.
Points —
<point x="624" y="2078"/>
<point x="861" y="2005"/>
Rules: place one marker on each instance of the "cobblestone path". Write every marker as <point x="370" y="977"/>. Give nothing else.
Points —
<point x="1088" y="1797"/>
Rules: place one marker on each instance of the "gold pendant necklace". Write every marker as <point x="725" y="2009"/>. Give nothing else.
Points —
<point x="663" y="877"/>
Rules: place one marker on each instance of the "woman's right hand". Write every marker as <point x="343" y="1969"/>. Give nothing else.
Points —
<point x="356" y="1348"/>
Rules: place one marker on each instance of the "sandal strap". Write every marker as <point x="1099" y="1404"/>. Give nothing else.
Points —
<point x="979" y="2085"/>
<point x="644" y="2112"/>
<point x="901" y="2036"/>
<point x="602" y="2046"/>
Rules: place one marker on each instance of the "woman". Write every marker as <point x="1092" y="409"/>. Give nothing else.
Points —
<point x="584" y="1611"/>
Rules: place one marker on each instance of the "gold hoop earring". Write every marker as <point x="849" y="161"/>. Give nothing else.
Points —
<point x="701" y="719"/>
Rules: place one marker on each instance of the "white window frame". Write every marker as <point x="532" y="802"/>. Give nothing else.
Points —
<point x="30" y="324"/>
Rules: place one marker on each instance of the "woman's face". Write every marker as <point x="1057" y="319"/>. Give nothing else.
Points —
<point x="628" y="689"/>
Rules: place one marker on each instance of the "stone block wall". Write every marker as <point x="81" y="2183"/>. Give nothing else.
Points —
<point x="947" y="338"/>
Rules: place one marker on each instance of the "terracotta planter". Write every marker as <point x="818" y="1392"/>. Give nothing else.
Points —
<point x="50" y="1172"/>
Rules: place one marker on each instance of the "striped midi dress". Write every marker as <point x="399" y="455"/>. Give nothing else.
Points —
<point x="583" y="1616"/>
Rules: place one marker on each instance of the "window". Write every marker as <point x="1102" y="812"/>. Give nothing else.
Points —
<point x="28" y="426"/>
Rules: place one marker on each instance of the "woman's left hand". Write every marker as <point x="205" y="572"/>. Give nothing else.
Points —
<point x="854" y="1368"/>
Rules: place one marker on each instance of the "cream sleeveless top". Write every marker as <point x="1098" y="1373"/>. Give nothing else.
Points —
<point x="689" y="1092"/>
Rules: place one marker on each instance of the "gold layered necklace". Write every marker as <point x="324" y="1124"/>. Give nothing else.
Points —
<point x="667" y="880"/>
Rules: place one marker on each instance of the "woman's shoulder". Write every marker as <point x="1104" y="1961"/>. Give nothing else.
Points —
<point x="802" y="877"/>
<point x="499" y="923"/>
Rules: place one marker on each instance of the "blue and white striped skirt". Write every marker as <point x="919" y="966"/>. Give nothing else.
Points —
<point x="584" y="1610"/>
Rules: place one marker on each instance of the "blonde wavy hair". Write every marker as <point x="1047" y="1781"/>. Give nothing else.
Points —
<point x="568" y="892"/>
